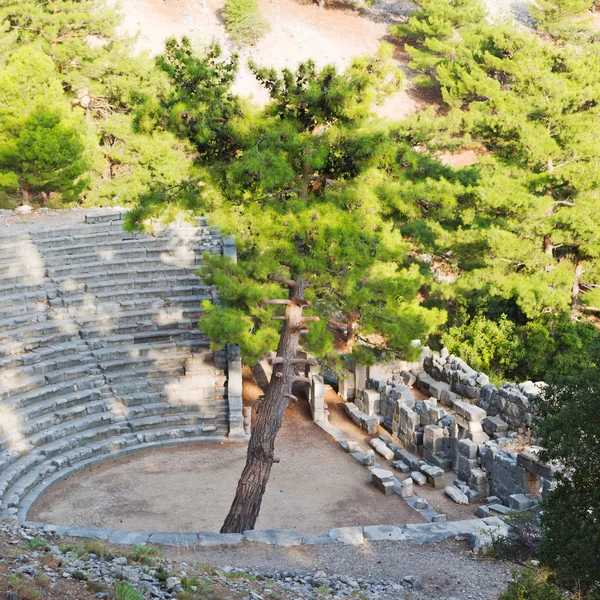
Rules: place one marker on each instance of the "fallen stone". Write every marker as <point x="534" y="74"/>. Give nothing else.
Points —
<point x="456" y="495"/>
<point x="401" y="466"/>
<point x="369" y="459"/>
<point x="499" y="508"/>
<point x="482" y="512"/>
<point x="380" y="447"/>
<point x="520" y="502"/>
<point x="418" y="478"/>
<point x="348" y="535"/>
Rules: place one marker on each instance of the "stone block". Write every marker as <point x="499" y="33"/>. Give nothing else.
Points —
<point x="479" y="438"/>
<point x="482" y="512"/>
<point x="437" y="387"/>
<point x="469" y="412"/>
<point x="383" y="532"/>
<point x="520" y="502"/>
<point x="418" y="477"/>
<point x="352" y="446"/>
<point x="531" y="462"/>
<point x="348" y="535"/>
<point x="468" y="449"/>
<point x="369" y="424"/>
<point x="456" y="495"/>
<point x="380" y="447"/>
<point x="274" y="537"/>
<point x="465" y="465"/>
<point x="499" y="508"/>
<point x="219" y="539"/>
<point x="369" y="459"/>
<point x="383" y="480"/>
<point x="492" y="425"/>
<point x="401" y="466"/>
<point x="406" y="488"/>
<point x="346" y="386"/>
<point x="371" y="402"/>
<point x="435" y="475"/>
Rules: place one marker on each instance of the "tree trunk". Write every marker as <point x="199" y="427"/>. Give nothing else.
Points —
<point x="548" y="245"/>
<point x="575" y="290"/>
<point x="260" y="458"/>
<point x="260" y="377"/>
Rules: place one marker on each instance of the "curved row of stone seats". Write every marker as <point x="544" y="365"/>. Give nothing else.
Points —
<point x="100" y="354"/>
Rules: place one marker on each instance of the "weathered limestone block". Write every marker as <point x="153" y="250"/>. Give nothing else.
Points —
<point x="447" y="397"/>
<point x="520" y="502"/>
<point x="352" y="446"/>
<point x="478" y="481"/>
<point x="493" y="425"/>
<point x="347" y="386"/>
<point x="433" y="439"/>
<point x="371" y="402"/>
<point x="410" y="459"/>
<point x="469" y="412"/>
<point x="369" y="459"/>
<point x="435" y="475"/>
<point x="406" y="488"/>
<point x="383" y="480"/>
<point x="468" y="448"/>
<point x="437" y="387"/>
<point x="407" y="377"/>
<point x="418" y="478"/>
<point x="380" y="447"/>
<point x="401" y="466"/>
<point x="455" y="494"/>
<point x="369" y="424"/>
<point x="529" y="460"/>
<point x="317" y="398"/>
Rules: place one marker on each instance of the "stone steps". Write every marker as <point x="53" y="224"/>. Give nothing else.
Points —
<point x="100" y="351"/>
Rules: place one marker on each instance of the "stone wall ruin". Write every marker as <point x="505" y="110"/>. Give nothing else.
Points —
<point x="448" y="416"/>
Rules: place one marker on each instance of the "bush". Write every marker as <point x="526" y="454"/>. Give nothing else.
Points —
<point x="523" y="539"/>
<point x="244" y="22"/>
<point x="531" y="584"/>
<point x="123" y="591"/>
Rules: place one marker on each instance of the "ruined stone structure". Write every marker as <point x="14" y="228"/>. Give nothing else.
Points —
<point x="100" y="354"/>
<point x="463" y="423"/>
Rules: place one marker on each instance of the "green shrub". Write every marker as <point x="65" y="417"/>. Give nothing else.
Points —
<point x="97" y="547"/>
<point x="531" y="584"/>
<point x="123" y="591"/>
<point x="37" y="543"/>
<point x="243" y="21"/>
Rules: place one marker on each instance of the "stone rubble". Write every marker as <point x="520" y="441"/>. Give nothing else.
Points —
<point x="162" y="578"/>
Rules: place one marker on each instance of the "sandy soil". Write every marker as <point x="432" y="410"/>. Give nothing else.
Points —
<point x="317" y="486"/>
<point x="436" y="497"/>
<point x="300" y="31"/>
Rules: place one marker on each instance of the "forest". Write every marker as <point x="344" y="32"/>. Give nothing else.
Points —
<point x="496" y="260"/>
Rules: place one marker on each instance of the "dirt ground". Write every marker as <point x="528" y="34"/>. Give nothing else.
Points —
<point x="436" y="497"/>
<point x="315" y="487"/>
<point x="300" y="31"/>
<point x="448" y="570"/>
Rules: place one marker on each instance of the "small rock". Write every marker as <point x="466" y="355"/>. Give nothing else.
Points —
<point x="172" y="583"/>
<point x="23" y="210"/>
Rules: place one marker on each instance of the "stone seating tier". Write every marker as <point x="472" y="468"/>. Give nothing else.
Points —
<point x="100" y="354"/>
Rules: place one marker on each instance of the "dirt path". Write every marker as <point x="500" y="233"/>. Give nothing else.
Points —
<point x="448" y="570"/>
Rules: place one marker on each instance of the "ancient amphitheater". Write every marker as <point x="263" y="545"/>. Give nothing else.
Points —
<point x="100" y="354"/>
